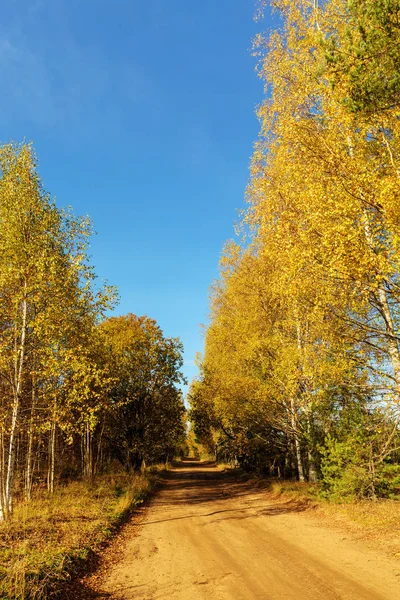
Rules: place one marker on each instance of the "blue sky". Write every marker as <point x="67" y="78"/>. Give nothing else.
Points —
<point x="142" y="115"/>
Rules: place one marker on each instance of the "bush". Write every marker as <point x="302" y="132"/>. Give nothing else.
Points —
<point x="355" y="468"/>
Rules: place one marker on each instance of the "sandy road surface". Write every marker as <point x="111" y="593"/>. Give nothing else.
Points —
<point x="206" y="536"/>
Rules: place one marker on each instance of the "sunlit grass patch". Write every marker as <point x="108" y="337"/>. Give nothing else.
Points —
<point x="50" y="533"/>
<point x="372" y="518"/>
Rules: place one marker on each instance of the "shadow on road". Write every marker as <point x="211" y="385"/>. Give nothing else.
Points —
<point x="193" y="484"/>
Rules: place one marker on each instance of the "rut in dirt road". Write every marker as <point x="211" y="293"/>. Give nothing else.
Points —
<point x="206" y="535"/>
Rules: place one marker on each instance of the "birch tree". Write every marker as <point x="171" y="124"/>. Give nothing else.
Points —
<point x="47" y="297"/>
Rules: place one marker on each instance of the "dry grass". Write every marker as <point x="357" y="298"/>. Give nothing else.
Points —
<point x="293" y="489"/>
<point x="376" y="522"/>
<point x="50" y="534"/>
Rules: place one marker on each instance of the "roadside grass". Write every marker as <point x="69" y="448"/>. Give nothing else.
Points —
<point x="52" y="536"/>
<point x="377" y="522"/>
<point x="295" y="489"/>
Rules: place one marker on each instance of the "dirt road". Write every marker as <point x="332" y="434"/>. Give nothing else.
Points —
<point x="206" y="537"/>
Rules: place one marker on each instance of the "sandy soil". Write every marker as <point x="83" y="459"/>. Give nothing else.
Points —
<point x="207" y="536"/>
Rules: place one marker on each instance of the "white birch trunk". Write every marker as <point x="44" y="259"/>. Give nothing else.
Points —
<point x="19" y="367"/>
<point x="312" y="471"/>
<point x="296" y="441"/>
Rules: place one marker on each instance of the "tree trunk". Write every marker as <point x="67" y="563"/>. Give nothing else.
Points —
<point x="28" y="473"/>
<point x="391" y="337"/>
<point x="29" y="461"/>
<point x="296" y="441"/>
<point x="312" y="469"/>
<point x="52" y="458"/>
<point x="136" y="462"/>
<point x="99" y="454"/>
<point x="3" y="503"/>
<point x="18" y="373"/>
<point x="87" y="453"/>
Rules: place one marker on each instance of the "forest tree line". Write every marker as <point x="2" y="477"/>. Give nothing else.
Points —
<point x="80" y="392"/>
<point x="301" y="371"/>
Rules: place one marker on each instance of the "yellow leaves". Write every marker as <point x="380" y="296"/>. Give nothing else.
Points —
<point x="292" y="307"/>
<point x="43" y="262"/>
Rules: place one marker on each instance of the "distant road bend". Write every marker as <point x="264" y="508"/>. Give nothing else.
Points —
<point x="207" y="536"/>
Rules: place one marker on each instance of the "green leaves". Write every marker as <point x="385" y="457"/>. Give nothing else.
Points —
<point x="363" y="58"/>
